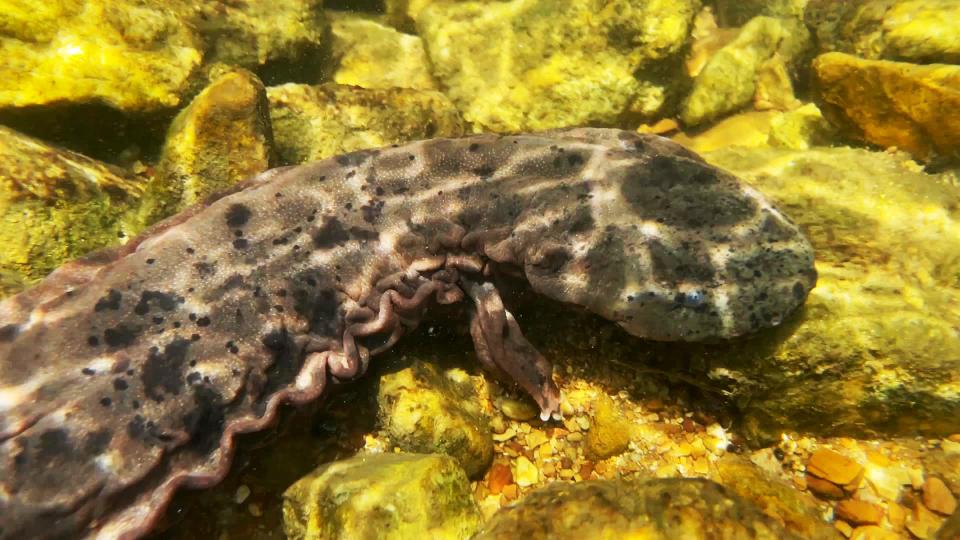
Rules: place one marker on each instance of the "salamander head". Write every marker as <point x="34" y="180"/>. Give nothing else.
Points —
<point x="672" y="248"/>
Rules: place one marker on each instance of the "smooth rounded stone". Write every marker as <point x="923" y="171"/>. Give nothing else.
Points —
<point x="937" y="496"/>
<point x="527" y="65"/>
<point x="875" y="349"/>
<point x="222" y="137"/>
<point x="316" y="122"/>
<point x="945" y="466"/>
<point x="731" y="78"/>
<point x="858" y="512"/>
<point x="55" y="205"/>
<point x="795" y="510"/>
<point x="384" y="496"/>
<point x="610" y="430"/>
<point x="835" y="468"/>
<point x="922" y="31"/>
<point x="132" y="55"/>
<point x="799" y="129"/>
<point x="649" y="509"/>
<point x="520" y="408"/>
<point x="280" y="38"/>
<point x="371" y="55"/>
<point x="912" y="107"/>
<point x="428" y="411"/>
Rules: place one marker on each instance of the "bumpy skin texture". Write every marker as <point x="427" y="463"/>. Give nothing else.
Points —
<point x="126" y="375"/>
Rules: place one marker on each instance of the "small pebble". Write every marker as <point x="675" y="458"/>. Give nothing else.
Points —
<point x="527" y="473"/>
<point x="519" y="409"/>
<point x="498" y="477"/>
<point x="241" y="495"/>
<point x="937" y="497"/>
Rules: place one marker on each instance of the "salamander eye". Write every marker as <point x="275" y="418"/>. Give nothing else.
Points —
<point x="691" y="299"/>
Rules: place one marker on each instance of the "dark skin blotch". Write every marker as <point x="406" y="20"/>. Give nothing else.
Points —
<point x="110" y="301"/>
<point x="330" y="234"/>
<point x="121" y="335"/>
<point x="164" y="301"/>
<point x="163" y="371"/>
<point x="205" y="422"/>
<point x="8" y="332"/>
<point x="238" y="215"/>
<point x="97" y="442"/>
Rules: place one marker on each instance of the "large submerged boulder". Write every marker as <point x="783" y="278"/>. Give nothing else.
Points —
<point x="527" y="65"/>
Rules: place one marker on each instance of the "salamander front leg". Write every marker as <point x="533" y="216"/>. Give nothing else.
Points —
<point x="502" y="348"/>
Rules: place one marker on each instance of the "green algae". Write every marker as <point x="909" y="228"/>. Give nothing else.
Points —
<point x="585" y="67"/>
<point x="55" y="205"/>
<point x="197" y="160"/>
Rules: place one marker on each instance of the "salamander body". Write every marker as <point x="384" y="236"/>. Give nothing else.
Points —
<point x="126" y="375"/>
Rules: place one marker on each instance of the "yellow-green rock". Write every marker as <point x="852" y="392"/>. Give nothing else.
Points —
<point x="629" y="509"/>
<point x="798" y="129"/>
<point x="427" y="411"/>
<point x="913" y="30"/>
<point x="382" y="496"/>
<point x="403" y="14"/>
<point x="796" y="510"/>
<point x="55" y="205"/>
<point x="287" y="35"/>
<point x="316" y="122"/>
<point x="738" y="12"/>
<point x="610" y="431"/>
<point x="135" y="56"/>
<point x="912" y="107"/>
<point x="526" y="65"/>
<point x="222" y="137"/>
<point x="372" y="55"/>
<point x="729" y="80"/>
<point x="876" y="348"/>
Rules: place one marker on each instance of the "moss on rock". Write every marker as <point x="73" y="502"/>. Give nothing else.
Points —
<point x="526" y="65"/>
<point x="55" y="205"/>
<point x="648" y="509"/>
<point x="423" y="410"/>
<point x="316" y="122"/>
<point x="222" y="137"/>
<point x="732" y="77"/>
<point x="371" y="55"/>
<point x="386" y="496"/>
<point x="875" y="349"/>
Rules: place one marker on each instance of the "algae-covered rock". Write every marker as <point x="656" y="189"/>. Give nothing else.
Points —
<point x="372" y="55"/>
<point x="55" y="205"/>
<point x="222" y="137"/>
<point x="738" y="12"/>
<point x="426" y="411"/>
<point x="610" y="431"/>
<point x="284" y="34"/>
<point x="316" y="122"/>
<point x="794" y="510"/>
<point x="403" y="14"/>
<point x="527" y="65"/>
<point x="915" y="108"/>
<point x="384" y="496"/>
<point x="766" y="46"/>
<point x="135" y="56"/>
<point x="876" y="348"/>
<point x="799" y="129"/>
<point x="913" y="30"/>
<point x="649" y="509"/>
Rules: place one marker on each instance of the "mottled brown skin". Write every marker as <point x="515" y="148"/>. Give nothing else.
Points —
<point x="126" y="375"/>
